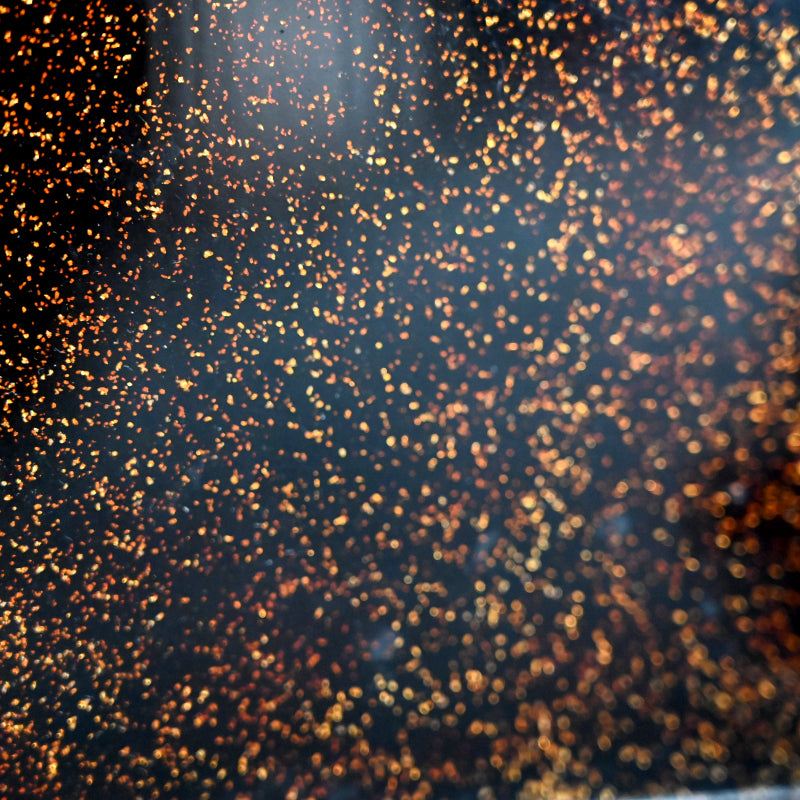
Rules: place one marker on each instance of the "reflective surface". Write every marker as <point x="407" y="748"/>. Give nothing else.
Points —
<point x="400" y="400"/>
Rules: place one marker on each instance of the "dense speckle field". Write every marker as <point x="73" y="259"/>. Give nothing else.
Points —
<point x="399" y="399"/>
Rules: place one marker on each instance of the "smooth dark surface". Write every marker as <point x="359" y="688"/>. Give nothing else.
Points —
<point x="399" y="400"/>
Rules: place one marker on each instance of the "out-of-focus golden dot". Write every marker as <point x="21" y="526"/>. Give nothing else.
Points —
<point x="724" y="702"/>
<point x="672" y="722"/>
<point x="767" y="689"/>
<point x="745" y="624"/>
<point x="776" y="572"/>
<point x="737" y="569"/>
<point x="677" y="761"/>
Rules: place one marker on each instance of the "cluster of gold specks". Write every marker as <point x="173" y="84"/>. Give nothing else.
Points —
<point x="399" y="400"/>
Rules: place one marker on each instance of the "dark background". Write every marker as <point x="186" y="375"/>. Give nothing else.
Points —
<point x="399" y="400"/>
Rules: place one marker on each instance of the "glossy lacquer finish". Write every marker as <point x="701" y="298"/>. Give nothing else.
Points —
<point x="399" y="399"/>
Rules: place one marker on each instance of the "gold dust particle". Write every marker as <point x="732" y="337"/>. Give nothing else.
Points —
<point x="399" y="399"/>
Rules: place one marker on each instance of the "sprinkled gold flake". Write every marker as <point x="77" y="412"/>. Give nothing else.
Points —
<point x="399" y="399"/>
